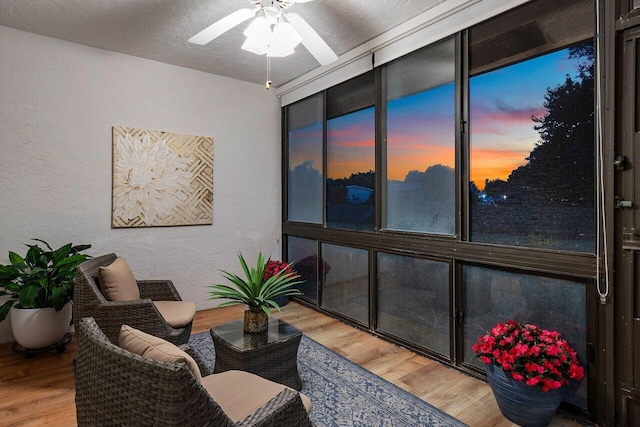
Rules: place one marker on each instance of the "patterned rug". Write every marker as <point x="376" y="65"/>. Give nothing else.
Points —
<point x="344" y="394"/>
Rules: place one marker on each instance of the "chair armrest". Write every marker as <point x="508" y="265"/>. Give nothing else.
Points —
<point x="139" y="303"/>
<point x="286" y="409"/>
<point x="142" y="311"/>
<point x="140" y="314"/>
<point x="204" y="368"/>
<point x="158" y="290"/>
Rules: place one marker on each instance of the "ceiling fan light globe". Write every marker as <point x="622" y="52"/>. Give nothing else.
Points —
<point x="278" y="51"/>
<point x="285" y="34"/>
<point x="256" y="45"/>
<point x="258" y="29"/>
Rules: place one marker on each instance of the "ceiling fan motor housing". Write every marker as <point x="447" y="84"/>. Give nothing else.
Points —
<point x="281" y="4"/>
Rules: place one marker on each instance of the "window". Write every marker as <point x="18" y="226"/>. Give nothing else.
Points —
<point x="305" y="161"/>
<point x="350" y="171"/>
<point x="351" y="155"/>
<point x="493" y="296"/>
<point x="303" y="254"/>
<point x="532" y="165"/>
<point x="413" y="300"/>
<point x="420" y="142"/>
<point x="346" y="281"/>
<point x="459" y="188"/>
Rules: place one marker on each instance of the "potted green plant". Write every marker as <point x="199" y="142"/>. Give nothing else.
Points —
<point x="40" y="290"/>
<point x="529" y="369"/>
<point x="257" y="290"/>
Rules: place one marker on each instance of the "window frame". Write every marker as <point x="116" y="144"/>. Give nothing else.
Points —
<point x="381" y="147"/>
<point x="458" y="250"/>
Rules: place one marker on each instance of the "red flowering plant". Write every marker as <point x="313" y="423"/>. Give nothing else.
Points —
<point x="274" y="267"/>
<point x="307" y="267"/>
<point x="535" y="356"/>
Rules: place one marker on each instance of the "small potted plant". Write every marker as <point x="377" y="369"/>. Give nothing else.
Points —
<point x="40" y="290"/>
<point x="257" y="291"/>
<point x="528" y="369"/>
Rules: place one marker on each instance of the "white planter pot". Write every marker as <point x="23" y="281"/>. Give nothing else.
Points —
<point x="40" y="327"/>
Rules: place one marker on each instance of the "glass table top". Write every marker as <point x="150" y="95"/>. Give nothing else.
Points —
<point x="233" y="333"/>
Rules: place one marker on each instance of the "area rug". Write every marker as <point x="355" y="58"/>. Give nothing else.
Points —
<point x="344" y="394"/>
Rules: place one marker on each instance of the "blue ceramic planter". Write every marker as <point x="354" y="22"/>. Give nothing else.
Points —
<point x="524" y="405"/>
<point x="281" y="300"/>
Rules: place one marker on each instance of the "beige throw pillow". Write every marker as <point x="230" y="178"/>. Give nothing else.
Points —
<point x="117" y="282"/>
<point x="155" y="348"/>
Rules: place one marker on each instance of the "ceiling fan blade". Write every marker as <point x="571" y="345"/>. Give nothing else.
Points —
<point x="222" y="26"/>
<point x="311" y="40"/>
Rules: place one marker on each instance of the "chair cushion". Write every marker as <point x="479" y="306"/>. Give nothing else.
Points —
<point x="178" y="314"/>
<point x="146" y="345"/>
<point x="117" y="282"/>
<point x="241" y="393"/>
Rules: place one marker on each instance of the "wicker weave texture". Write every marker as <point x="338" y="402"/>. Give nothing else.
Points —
<point x="142" y="314"/>
<point x="276" y="361"/>
<point x="117" y="387"/>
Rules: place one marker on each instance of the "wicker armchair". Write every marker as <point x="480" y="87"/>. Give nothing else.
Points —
<point x="141" y="314"/>
<point x="117" y="387"/>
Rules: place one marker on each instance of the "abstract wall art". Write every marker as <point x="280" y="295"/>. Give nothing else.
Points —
<point x="161" y="179"/>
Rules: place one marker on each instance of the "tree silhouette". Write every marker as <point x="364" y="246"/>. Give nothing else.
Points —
<point x="560" y="168"/>
<point x="361" y="179"/>
<point x="498" y="189"/>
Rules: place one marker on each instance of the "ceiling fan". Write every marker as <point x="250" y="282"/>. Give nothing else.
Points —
<point x="272" y="33"/>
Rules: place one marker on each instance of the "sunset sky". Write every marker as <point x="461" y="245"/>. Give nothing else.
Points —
<point x="502" y="104"/>
<point x="305" y="144"/>
<point x="421" y="130"/>
<point x="351" y="144"/>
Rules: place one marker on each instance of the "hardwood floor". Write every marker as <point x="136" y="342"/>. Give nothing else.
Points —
<point x="40" y="391"/>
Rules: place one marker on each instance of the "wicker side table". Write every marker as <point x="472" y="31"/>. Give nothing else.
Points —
<point x="272" y="355"/>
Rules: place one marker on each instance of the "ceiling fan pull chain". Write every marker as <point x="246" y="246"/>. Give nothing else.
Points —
<point x="267" y="85"/>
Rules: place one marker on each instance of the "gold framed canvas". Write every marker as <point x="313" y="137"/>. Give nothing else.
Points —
<point x="161" y="179"/>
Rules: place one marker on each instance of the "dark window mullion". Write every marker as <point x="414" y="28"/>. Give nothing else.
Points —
<point x="285" y="167"/>
<point x="462" y="147"/>
<point x="324" y="159"/>
<point x="381" y="149"/>
<point x="319" y="272"/>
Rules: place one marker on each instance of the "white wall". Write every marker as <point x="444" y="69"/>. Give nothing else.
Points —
<point x="58" y="103"/>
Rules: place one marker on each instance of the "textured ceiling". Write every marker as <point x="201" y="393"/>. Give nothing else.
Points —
<point x="159" y="29"/>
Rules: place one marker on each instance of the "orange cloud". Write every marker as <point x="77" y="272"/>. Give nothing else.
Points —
<point x="362" y="143"/>
<point x="502" y="121"/>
